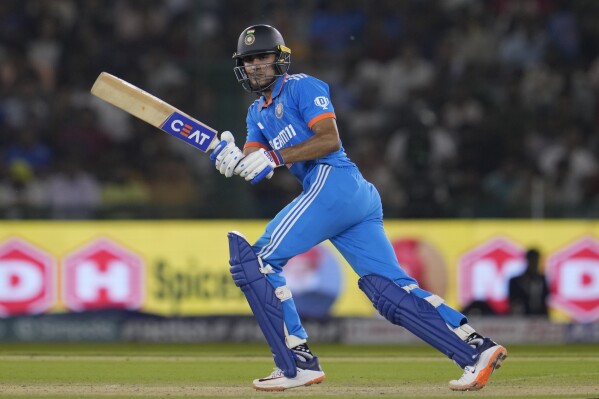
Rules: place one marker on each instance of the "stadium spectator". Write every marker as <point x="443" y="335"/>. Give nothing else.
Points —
<point x="570" y="164"/>
<point x="28" y="148"/>
<point x="124" y="191"/>
<point x="523" y="45"/>
<point x="509" y="76"/>
<point x="507" y="186"/>
<point x="529" y="291"/>
<point x="172" y="189"/>
<point x="335" y="24"/>
<point x="83" y="137"/>
<point x="71" y="192"/>
<point x="406" y="74"/>
<point x="21" y="193"/>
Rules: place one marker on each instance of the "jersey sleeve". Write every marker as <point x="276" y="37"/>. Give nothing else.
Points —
<point x="254" y="137"/>
<point x="313" y="100"/>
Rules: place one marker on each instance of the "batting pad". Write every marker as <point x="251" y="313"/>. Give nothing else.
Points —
<point x="260" y="295"/>
<point x="417" y="316"/>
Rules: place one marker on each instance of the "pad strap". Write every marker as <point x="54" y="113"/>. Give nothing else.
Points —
<point x="261" y="297"/>
<point x="417" y="316"/>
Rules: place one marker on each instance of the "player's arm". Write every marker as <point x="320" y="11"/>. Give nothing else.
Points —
<point x="313" y="101"/>
<point x="260" y="163"/>
<point x="325" y="141"/>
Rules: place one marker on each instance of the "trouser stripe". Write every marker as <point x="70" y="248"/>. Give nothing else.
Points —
<point x="297" y="211"/>
<point x="291" y="214"/>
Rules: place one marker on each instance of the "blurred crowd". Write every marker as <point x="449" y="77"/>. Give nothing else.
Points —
<point x="452" y="108"/>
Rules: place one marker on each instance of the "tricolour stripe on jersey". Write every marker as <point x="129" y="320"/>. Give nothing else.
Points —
<point x="297" y="76"/>
<point x="296" y="212"/>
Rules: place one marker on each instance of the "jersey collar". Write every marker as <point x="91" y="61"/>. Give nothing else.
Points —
<point x="276" y="90"/>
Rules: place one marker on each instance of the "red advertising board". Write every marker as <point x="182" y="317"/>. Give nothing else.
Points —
<point x="573" y="275"/>
<point x="27" y="279"/>
<point x="484" y="273"/>
<point x="103" y="274"/>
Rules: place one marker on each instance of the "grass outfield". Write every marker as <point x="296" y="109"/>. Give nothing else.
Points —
<point x="224" y="370"/>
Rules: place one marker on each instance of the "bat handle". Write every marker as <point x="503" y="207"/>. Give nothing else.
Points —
<point x="213" y="144"/>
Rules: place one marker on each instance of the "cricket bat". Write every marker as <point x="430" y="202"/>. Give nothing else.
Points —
<point x="154" y="111"/>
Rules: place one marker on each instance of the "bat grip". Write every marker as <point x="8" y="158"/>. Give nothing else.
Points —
<point x="213" y="144"/>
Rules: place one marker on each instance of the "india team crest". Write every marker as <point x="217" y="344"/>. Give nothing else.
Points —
<point x="249" y="37"/>
<point x="279" y="110"/>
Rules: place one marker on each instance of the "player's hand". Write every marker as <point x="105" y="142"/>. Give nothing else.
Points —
<point x="258" y="165"/>
<point x="226" y="154"/>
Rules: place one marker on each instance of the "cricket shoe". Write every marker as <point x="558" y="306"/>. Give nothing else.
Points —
<point x="307" y="374"/>
<point x="476" y="376"/>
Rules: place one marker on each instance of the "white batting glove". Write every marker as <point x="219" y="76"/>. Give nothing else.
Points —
<point x="226" y="154"/>
<point x="259" y="164"/>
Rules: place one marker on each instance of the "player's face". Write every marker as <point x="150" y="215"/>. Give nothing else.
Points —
<point x="259" y="68"/>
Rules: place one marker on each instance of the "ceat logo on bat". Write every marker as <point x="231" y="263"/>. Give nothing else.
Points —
<point x="103" y="275"/>
<point x="573" y="276"/>
<point x="188" y="130"/>
<point x="27" y="279"/>
<point x="485" y="271"/>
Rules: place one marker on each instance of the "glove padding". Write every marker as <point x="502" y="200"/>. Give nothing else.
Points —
<point x="226" y="154"/>
<point x="258" y="165"/>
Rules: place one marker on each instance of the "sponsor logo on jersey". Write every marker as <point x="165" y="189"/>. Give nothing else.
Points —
<point x="322" y="102"/>
<point x="283" y="137"/>
<point x="279" y="110"/>
<point x="188" y="130"/>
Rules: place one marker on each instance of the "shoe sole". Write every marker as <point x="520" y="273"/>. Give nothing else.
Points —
<point x="314" y="381"/>
<point x="496" y="359"/>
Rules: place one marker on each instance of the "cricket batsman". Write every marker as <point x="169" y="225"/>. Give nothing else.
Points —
<point x="292" y="124"/>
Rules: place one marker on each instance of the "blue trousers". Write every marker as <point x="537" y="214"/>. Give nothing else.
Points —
<point x="337" y="204"/>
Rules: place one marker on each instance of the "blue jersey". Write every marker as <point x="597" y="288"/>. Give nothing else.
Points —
<point x="298" y="102"/>
<point x="336" y="203"/>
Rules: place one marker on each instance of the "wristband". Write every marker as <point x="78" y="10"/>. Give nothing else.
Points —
<point x="276" y="157"/>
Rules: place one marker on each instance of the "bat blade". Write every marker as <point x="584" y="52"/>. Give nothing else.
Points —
<point x="154" y="111"/>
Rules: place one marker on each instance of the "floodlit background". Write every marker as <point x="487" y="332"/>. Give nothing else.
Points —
<point x="453" y="108"/>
